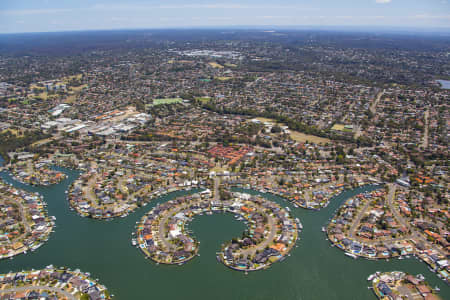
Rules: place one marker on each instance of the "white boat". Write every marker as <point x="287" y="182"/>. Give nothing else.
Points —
<point x="351" y="255"/>
<point x="371" y="277"/>
<point x="323" y="229"/>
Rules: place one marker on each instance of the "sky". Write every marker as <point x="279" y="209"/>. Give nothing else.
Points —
<point x="69" y="15"/>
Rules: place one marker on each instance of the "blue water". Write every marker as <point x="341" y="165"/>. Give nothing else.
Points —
<point x="445" y="84"/>
<point x="314" y="270"/>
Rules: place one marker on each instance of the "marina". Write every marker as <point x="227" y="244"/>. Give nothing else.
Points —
<point x="105" y="250"/>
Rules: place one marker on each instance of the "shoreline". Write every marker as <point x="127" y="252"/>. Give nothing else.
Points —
<point x="168" y="258"/>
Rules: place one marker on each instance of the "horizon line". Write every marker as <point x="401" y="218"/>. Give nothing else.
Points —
<point x="355" y="28"/>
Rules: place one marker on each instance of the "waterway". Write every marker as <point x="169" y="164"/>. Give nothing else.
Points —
<point x="445" y="84"/>
<point x="314" y="270"/>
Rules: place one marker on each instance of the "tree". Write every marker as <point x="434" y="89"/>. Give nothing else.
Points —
<point x="84" y="297"/>
<point x="276" y="129"/>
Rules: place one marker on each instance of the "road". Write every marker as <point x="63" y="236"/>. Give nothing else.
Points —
<point x="425" y="133"/>
<point x="373" y="106"/>
<point x="162" y="224"/>
<point x="358" y="218"/>
<point x="358" y="131"/>
<point x="216" y="188"/>
<point x="36" y="288"/>
<point x="415" y="234"/>
<point x="390" y="202"/>
<point x="23" y="217"/>
<point x="88" y="190"/>
<point x="261" y="246"/>
<point x="250" y="251"/>
<point x="307" y="195"/>
<point x="389" y="198"/>
<point x="350" y="108"/>
<point x="55" y="137"/>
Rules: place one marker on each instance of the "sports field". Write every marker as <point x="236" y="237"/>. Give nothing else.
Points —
<point x="203" y="99"/>
<point x="223" y="78"/>
<point x="341" y="127"/>
<point x="215" y="65"/>
<point x="167" y="101"/>
<point x="298" y="136"/>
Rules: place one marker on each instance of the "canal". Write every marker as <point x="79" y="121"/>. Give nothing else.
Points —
<point x="314" y="270"/>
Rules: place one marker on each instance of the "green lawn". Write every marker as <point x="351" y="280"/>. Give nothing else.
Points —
<point x="203" y="99"/>
<point x="167" y="101"/>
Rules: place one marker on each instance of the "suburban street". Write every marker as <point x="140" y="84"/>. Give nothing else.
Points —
<point x="426" y="129"/>
<point x="373" y="106"/>
<point x="36" y="288"/>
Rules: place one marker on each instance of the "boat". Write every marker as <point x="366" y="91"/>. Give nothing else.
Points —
<point x="323" y="229"/>
<point x="371" y="277"/>
<point x="437" y="289"/>
<point x="351" y="255"/>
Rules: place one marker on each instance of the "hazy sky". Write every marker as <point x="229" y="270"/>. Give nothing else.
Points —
<point x="62" y="15"/>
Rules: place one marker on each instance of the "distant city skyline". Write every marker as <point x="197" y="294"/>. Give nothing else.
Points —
<point x="52" y="15"/>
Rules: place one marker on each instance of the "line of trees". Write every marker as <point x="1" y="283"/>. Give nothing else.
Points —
<point x="11" y="142"/>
